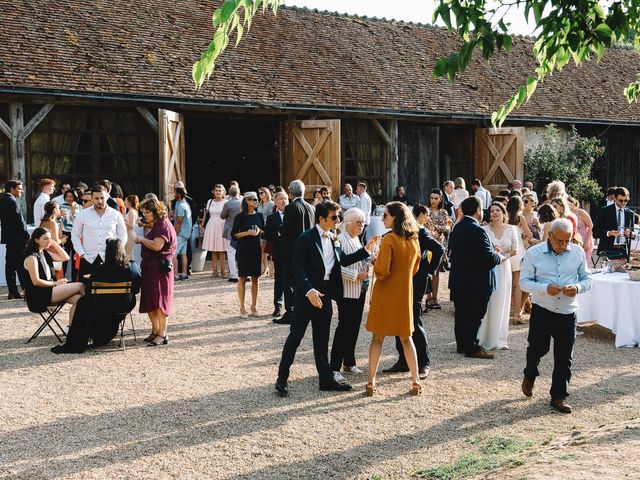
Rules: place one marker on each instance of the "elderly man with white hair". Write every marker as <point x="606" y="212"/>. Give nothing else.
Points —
<point x="554" y="272"/>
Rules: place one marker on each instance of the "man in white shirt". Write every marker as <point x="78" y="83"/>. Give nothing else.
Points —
<point x="482" y="193"/>
<point x="348" y="199"/>
<point x="47" y="187"/>
<point x="92" y="227"/>
<point x="364" y="204"/>
<point x="60" y="198"/>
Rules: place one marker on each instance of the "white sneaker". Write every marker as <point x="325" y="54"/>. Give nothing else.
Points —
<point x="355" y="370"/>
<point x="337" y="376"/>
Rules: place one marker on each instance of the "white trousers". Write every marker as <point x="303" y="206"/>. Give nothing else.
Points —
<point x="231" y="260"/>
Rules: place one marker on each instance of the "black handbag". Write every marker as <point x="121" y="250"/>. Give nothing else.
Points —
<point x="166" y="265"/>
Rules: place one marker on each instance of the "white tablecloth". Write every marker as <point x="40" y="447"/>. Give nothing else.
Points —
<point x="613" y="303"/>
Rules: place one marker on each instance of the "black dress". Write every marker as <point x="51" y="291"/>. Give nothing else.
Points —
<point x="39" y="298"/>
<point x="248" y="252"/>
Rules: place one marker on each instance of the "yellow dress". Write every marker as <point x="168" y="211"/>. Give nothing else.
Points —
<point x="391" y="311"/>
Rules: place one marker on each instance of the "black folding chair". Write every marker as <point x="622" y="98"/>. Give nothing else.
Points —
<point x="48" y="316"/>
<point x="116" y="288"/>
<point x="609" y="255"/>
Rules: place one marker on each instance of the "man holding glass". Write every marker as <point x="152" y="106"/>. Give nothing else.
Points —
<point x="615" y="225"/>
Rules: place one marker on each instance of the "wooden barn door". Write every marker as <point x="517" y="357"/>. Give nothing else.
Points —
<point x="499" y="157"/>
<point x="311" y="153"/>
<point x="172" y="158"/>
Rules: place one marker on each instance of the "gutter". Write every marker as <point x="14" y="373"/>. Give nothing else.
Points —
<point x="287" y="107"/>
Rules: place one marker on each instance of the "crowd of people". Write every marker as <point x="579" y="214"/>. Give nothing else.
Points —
<point x="514" y="253"/>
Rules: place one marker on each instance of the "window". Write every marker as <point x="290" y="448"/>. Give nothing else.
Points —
<point x="365" y="158"/>
<point x="74" y="144"/>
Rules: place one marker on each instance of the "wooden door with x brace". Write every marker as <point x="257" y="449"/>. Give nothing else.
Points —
<point x="311" y="152"/>
<point x="499" y="157"/>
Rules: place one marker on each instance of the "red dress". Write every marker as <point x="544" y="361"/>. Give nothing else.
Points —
<point x="157" y="286"/>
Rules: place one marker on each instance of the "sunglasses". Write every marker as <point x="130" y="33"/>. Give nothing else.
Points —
<point x="261" y="193"/>
<point x="334" y="217"/>
<point x="252" y="199"/>
<point x="86" y="201"/>
<point x="622" y="201"/>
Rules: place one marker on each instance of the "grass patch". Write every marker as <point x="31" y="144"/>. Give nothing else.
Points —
<point x="492" y="453"/>
<point x="567" y="457"/>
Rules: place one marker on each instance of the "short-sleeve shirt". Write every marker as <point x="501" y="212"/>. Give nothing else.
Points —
<point x="182" y="209"/>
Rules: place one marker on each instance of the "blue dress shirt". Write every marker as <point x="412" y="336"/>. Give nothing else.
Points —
<point x="542" y="267"/>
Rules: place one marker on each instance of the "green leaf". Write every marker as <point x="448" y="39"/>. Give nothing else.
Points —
<point x="537" y="12"/>
<point x="603" y="31"/>
<point x="532" y="83"/>
<point x="239" y="34"/>
<point x="522" y="95"/>
<point x="441" y="67"/>
<point x="506" y="42"/>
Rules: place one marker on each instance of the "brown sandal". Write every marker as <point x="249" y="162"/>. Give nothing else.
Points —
<point x="416" y="389"/>
<point x="371" y="389"/>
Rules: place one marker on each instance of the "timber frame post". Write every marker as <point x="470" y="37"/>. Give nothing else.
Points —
<point x="18" y="132"/>
<point x="391" y="140"/>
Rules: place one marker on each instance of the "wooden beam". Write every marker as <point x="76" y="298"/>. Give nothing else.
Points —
<point x="4" y="128"/>
<point x="17" y="157"/>
<point x="37" y="118"/>
<point x="393" y="158"/>
<point x="382" y="132"/>
<point x="148" y="116"/>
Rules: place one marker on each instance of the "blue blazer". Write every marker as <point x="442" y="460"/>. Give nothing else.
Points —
<point x="14" y="229"/>
<point x="472" y="259"/>
<point x="308" y="265"/>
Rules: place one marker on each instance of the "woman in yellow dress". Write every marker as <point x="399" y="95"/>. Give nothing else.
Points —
<point x="391" y="312"/>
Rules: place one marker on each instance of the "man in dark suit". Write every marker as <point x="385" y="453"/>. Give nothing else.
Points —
<point x="318" y="279"/>
<point x="471" y="279"/>
<point x="447" y="204"/>
<point x="298" y="217"/>
<point x="14" y="236"/>
<point x="614" y="225"/>
<point x="272" y="233"/>
<point x="420" y="282"/>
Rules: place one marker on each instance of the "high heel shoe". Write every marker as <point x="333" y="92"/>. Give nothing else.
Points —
<point x="416" y="389"/>
<point x="254" y="312"/>
<point x="159" y="340"/>
<point x="371" y="389"/>
<point x="243" y="313"/>
<point x="150" y="337"/>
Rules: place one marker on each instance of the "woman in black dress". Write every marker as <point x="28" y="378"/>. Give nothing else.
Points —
<point x="42" y="288"/>
<point x="248" y="226"/>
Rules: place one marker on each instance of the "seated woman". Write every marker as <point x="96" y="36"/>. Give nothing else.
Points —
<point x="42" y="289"/>
<point x="99" y="316"/>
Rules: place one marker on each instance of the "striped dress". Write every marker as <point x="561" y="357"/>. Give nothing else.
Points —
<point x="352" y="286"/>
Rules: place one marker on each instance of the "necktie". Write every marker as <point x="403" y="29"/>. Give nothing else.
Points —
<point x="325" y="235"/>
<point x="620" y="221"/>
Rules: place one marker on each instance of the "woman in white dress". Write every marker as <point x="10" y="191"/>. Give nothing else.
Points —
<point x="213" y="226"/>
<point x="494" y="330"/>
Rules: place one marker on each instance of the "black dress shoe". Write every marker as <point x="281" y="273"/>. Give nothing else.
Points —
<point x="423" y="373"/>
<point x="284" y="320"/>
<point x="15" y="296"/>
<point x="277" y="313"/>
<point x="335" y="386"/>
<point x="281" y="388"/>
<point x="233" y="280"/>
<point x="396" y="368"/>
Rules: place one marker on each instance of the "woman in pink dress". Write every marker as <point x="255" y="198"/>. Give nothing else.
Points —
<point x="213" y="226"/>
<point x="585" y="227"/>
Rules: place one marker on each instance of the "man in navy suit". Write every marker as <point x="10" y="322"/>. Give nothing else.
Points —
<point x="471" y="278"/>
<point x="298" y="217"/>
<point x="272" y="233"/>
<point x="615" y="223"/>
<point x="318" y="280"/>
<point x="14" y="236"/>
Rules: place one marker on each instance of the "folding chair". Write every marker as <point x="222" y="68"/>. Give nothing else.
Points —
<point x="48" y="316"/>
<point x="116" y="288"/>
<point x="609" y="255"/>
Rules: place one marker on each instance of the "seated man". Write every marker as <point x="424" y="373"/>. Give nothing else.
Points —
<point x="98" y="317"/>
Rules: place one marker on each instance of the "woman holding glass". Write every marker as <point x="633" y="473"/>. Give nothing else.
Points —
<point x="213" y="227"/>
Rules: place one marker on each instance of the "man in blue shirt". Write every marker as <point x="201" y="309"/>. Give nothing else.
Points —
<point x="554" y="272"/>
<point x="183" y="226"/>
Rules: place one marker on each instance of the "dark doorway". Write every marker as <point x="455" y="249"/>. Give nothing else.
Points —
<point x="219" y="150"/>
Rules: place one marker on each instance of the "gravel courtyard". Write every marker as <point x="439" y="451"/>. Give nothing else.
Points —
<point x="204" y="406"/>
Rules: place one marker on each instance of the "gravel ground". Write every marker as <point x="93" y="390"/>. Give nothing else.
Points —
<point x="204" y="406"/>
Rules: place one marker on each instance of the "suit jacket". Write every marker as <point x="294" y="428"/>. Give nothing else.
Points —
<point x="299" y="216"/>
<point x="472" y="259"/>
<point x="231" y="208"/>
<point x="272" y="232"/>
<point x="447" y="204"/>
<point x="308" y="265"/>
<point x="607" y="220"/>
<point x="14" y="228"/>
<point x="428" y="244"/>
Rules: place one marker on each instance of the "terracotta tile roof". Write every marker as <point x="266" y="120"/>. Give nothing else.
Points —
<point x="298" y="59"/>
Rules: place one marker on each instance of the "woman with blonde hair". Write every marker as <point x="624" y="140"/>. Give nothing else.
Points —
<point x="265" y="207"/>
<point x="391" y="311"/>
<point x="158" y="249"/>
<point x="564" y="211"/>
<point x="556" y="189"/>
<point x="213" y="227"/>
<point x="132" y="203"/>
<point x="459" y="194"/>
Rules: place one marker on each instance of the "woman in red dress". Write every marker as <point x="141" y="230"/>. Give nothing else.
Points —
<point x="158" y="249"/>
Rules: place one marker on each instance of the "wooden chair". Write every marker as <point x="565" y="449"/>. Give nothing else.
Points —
<point x="116" y="288"/>
<point x="48" y="316"/>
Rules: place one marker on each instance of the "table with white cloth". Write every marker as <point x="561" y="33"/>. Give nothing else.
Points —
<point x="612" y="302"/>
